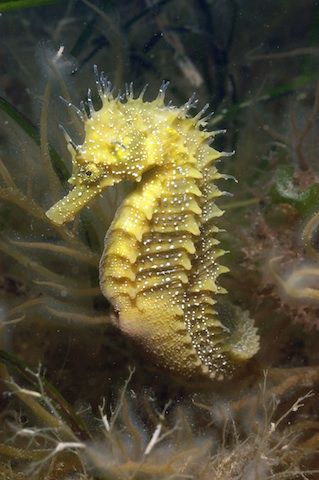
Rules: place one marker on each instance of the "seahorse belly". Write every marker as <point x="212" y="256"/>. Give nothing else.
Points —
<point x="143" y="271"/>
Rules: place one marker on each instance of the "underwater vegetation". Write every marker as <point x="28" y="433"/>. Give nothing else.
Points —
<point x="120" y="444"/>
<point x="79" y="399"/>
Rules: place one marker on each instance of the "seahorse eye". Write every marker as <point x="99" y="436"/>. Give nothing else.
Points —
<point x="91" y="173"/>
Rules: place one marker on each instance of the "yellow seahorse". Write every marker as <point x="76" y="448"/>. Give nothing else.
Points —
<point x="159" y="265"/>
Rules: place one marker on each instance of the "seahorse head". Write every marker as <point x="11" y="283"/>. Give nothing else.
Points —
<point x="115" y="148"/>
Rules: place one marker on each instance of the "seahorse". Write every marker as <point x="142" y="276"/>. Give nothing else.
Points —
<point x="159" y="268"/>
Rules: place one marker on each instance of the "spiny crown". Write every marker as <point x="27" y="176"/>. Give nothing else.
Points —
<point x="126" y="136"/>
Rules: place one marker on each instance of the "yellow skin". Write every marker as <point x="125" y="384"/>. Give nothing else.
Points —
<point x="158" y="268"/>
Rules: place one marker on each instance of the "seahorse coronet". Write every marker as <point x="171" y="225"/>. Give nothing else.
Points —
<point x="159" y="265"/>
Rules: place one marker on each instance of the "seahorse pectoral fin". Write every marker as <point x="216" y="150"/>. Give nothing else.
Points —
<point x="66" y="208"/>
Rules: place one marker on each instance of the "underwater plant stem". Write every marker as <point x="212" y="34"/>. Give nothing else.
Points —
<point x="80" y="318"/>
<point x="116" y="39"/>
<point x="130" y="469"/>
<point x="33" y="134"/>
<point x="27" y="204"/>
<point x="217" y="65"/>
<point x="85" y="257"/>
<point x="280" y="55"/>
<point x="308" y="234"/>
<point x="301" y="136"/>
<point x="21" y="453"/>
<point x="185" y="64"/>
<point x="33" y="302"/>
<point x="131" y="428"/>
<point x="283" y="383"/>
<point x="82" y="292"/>
<point x="121" y="399"/>
<point x="310" y="445"/>
<point x="53" y="184"/>
<point x="275" y="135"/>
<point x="18" y="4"/>
<point x="70" y="316"/>
<point x="146" y="11"/>
<point x="240" y="204"/>
<point x="27" y="263"/>
<point x="4" y="172"/>
<point x="28" y="397"/>
<point x="75" y="120"/>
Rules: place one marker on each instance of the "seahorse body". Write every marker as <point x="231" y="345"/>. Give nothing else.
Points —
<point x="159" y="266"/>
